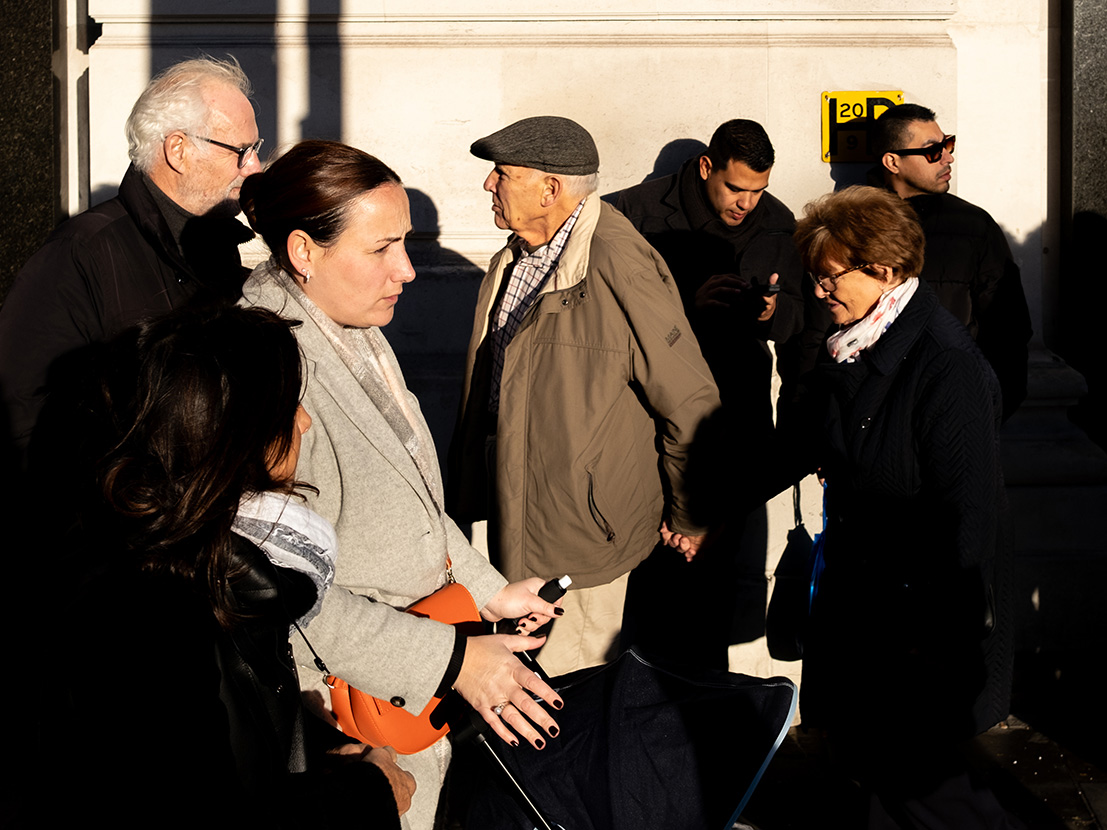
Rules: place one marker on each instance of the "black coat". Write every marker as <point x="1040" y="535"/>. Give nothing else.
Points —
<point x="914" y="600"/>
<point x="969" y="266"/>
<point x="99" y="273"/>
<point x="733" y="341"/>
<point x="185" y="723"/>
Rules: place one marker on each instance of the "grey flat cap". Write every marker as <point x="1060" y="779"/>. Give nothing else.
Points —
<point x="546" y="142"/>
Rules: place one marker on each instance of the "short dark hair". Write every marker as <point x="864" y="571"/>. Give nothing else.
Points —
<point x="861" y="225"/>
<point x="741" y="140"/>
<point x="310" y="188"/>
<point x="201" y="403"/>
<point x="890" y="130"/>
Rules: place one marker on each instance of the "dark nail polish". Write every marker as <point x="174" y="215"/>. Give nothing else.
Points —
<point x="533" y="619"/>
<point x="559" y="611"/>
<point x="558" y="704"/>
<point x="539" y="743"/>
<point x="518" y="631"/>
<point x="553" y="731"/>
<point x="515" y="743"/>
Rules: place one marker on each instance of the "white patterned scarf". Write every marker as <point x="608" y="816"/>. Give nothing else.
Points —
<point x="292" y="536"/>
<point x="844" y="345"/>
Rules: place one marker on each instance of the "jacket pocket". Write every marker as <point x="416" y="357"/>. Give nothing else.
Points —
<point x="594" y="509"/>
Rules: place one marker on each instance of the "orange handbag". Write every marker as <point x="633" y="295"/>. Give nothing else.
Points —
<point x="377" y="722"/>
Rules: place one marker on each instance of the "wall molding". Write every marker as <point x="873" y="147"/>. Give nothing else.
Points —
<point x="485" y="11"/>
<point x="212" y="33"/>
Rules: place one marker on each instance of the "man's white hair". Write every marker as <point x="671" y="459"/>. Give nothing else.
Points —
<point x="580" y="186"/>
<point x="174" y="100"/>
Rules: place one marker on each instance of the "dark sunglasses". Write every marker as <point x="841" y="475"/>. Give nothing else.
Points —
<point x="932" y="152"/>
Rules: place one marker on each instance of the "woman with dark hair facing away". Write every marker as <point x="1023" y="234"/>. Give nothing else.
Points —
<point x="216" y="556"/>
<point x="911" y="620"/>
<point x="335" y="219"/>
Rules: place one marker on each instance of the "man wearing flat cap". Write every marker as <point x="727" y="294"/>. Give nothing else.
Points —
<point x="584" y="389"/>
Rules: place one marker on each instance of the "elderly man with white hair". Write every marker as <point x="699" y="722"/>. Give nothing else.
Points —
<point x="169" y="237"/>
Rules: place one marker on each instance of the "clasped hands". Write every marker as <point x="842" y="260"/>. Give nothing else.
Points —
<point x="686" y="544"/>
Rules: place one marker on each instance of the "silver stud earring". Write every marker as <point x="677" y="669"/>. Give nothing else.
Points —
<point x="307" y="276"/>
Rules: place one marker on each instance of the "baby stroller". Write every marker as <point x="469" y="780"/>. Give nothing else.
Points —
<point x="640" y="746"/>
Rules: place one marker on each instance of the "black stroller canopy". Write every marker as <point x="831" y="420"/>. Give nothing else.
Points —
<point x="642" y="746"/>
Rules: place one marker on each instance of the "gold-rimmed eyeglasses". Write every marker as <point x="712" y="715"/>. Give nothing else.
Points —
<point x="829" y="283"/>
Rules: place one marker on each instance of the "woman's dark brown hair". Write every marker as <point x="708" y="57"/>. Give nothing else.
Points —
<point x="861" y="225"/>
<point x="206" y="408"/>
<point x="310" y="188"/>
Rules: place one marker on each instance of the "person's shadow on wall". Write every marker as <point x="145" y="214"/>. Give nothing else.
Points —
<point x="433" y="321"/>
<point x="669" y="160"/>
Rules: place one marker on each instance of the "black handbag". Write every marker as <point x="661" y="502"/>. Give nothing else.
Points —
<point x="794" y="584"/>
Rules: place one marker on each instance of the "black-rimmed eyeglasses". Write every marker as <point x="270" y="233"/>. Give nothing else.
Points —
<point x="828" y="284"/>
<point x="243" y="153"/>
<point x="931" y="152"/>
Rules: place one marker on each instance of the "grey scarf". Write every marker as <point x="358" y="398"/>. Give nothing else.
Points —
<point x="364" y="352"/>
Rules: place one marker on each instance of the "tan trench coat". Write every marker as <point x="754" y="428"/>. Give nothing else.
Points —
<point x="602" y="392"/>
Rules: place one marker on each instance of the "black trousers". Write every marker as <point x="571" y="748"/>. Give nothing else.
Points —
<point x="684" y="613"/>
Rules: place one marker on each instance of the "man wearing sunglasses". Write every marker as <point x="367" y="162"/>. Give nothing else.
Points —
<point x="968" y="260"/>
<point x="169" y="237"/>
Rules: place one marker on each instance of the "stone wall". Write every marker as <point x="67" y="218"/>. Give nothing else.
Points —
<point x="416" y="81"/>
<point x="28" y="143"/>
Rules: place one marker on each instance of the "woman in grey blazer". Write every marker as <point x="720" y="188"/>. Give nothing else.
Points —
<point x="335" y="219"/>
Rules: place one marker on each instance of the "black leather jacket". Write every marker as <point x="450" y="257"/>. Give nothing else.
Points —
<point x="188" y="723"/>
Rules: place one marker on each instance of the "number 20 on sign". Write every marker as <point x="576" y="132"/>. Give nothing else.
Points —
<point x="847" y="117"/>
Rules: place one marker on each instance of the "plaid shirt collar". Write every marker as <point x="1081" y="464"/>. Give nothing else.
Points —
<point x="529" y="273"/>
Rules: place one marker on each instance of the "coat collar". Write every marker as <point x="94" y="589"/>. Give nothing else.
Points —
<point x="573" y="265"/>
<point x="670" y="199"/>
<point x="139" y="202"/>
<point x="203" y="237"/>
<point x="323" y="365"/>
<point x="897" y="341"/>
<point x="571" y="268"/>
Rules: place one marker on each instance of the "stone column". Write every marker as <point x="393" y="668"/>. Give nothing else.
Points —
<point x="28" y="186"/>
<point x="1056" y="474"/>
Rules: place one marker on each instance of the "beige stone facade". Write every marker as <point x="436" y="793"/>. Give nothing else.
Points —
<point x="416" y="81"/>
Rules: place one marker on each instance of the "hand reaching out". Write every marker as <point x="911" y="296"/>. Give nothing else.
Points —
<point x="520" y="599"/>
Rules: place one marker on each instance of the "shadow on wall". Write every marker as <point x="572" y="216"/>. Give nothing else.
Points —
<point x="848" y="173"/>
<point x="324" y="114"/>
<point x="673" y="155"/>
<point x="1056" y="486"/>
<point x="433" y="321"/>
<point x="669" y="160"/>
<point x="102" y="193"/>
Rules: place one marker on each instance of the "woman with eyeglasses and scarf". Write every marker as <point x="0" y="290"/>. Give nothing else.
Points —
<point x="911" y="621"/>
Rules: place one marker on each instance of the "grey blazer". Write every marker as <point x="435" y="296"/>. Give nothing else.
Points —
<point x="392" y="543"/>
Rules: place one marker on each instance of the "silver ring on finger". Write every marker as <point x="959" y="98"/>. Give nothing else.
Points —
<point x="499" y="709"/>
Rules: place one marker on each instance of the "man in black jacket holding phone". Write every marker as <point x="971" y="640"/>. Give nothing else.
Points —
<point x="728" y="243"/>
<point x="726" y="240"/>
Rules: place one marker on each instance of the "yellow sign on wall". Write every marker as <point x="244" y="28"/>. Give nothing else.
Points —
<point x="846" y="119"/>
